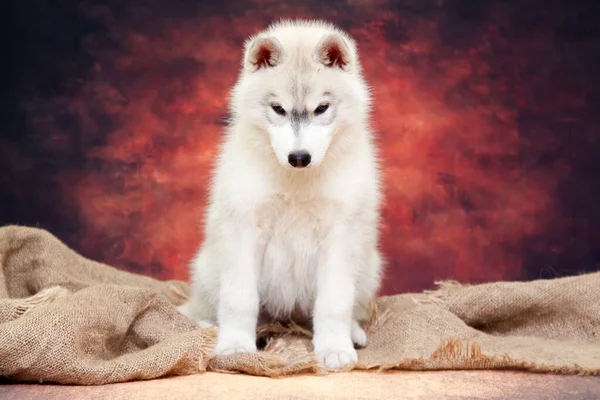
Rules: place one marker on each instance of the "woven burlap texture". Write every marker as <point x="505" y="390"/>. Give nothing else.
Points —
<point x="67" y="319"/>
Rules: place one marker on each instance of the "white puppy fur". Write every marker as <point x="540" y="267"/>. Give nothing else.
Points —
<point x="293" y="241"/>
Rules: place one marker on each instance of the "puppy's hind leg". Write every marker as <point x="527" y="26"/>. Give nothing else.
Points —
<point x="359" y="336"/>
<point x="198" y="310"/>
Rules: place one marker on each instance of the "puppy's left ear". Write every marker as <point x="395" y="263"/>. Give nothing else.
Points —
<point x="334" y="51"/>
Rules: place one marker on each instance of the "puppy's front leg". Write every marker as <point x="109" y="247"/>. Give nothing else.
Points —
<point x="237" y="313"/>
<point x="332" y="317"/>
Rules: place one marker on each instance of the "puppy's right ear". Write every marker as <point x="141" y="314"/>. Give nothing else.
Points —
<point x="262" y="52"/>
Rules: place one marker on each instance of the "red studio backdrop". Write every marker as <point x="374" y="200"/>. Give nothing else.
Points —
<point x="486" y="113"/>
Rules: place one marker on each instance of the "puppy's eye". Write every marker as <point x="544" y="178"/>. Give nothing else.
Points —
<point x="321" y="109"/>
<point x="278" y="109"/>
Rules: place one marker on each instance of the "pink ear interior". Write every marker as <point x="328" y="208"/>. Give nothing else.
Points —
<point x="333" y="52"/>
<point x="264" y="53"/>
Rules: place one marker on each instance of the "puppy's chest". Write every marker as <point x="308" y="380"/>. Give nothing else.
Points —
<point x="292" y="239"/>
<point x="293" y="222"/>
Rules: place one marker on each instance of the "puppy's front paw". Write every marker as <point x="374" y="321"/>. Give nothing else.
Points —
<point x="229" y="342"/>
<point x="336" y="359"/>
<point x="334" y="352"/>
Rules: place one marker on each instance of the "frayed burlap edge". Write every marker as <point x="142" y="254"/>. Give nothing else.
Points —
<point x="456" y="353"/>
<point x="43" y="297"/>
<point x="439" y="295"/>
<point x="377" y="319"/>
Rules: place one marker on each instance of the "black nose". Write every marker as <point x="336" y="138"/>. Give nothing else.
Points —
<point x="299" y="159"/>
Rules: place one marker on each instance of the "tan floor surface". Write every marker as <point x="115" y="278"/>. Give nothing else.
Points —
<point x="356" y="385"/>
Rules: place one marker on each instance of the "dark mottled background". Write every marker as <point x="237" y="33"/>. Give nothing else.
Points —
<point x="488" y="114"/>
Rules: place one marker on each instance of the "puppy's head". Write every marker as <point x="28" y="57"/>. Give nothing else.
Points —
<point x="301" y="86"/>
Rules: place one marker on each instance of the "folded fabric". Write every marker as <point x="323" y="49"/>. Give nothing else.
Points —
<point x="67" y="319"/>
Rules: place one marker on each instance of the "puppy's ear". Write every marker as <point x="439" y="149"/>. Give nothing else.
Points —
<point x="334" y="52"/>
<point x="262" y="52"/>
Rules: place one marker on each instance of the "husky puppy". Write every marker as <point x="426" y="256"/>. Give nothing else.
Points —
<point x="291" y="227"/>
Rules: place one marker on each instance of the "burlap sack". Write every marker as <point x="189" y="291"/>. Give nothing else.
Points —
<point x="67" y="319"/>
